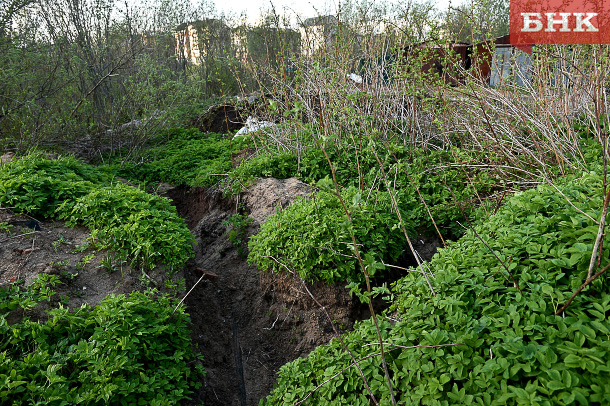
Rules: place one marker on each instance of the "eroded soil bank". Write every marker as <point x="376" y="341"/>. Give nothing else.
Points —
<point x="247" y="324"/>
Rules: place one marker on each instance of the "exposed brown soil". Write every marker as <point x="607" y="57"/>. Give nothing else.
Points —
<point x="33" y="247"/>
<point x="247" y="324"/>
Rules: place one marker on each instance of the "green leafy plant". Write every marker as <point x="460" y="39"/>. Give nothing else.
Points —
<point x="68" y="277"/>
<point x="84" y="261"/>
<point x="312" y="236"/>
<point x="490" y="335"/>
<point x="112" y="264"/>
<point x="176" y="285"/>
<point x="5" y="227"/>
<point x="82" y="247"/>
<point x="36" y="185"/>
<point x="58" y="242"/>
<point x="181" y="157"/>
<point x="422" y="180"/>
<point x="237" y="235"/>
<point x="13" y="296"/>
<point x="62" y="264"/>
<point x="129" y="349"/>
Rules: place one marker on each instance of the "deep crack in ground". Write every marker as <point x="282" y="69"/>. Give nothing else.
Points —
<point x="247" y="324"/>
<point x="273" y="318"/>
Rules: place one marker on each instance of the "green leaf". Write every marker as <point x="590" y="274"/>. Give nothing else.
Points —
<point x="556" y="385"/>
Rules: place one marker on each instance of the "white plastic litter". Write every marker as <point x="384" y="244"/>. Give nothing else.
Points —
<point x="355" y="78"/>
<point x="252" y="124"/>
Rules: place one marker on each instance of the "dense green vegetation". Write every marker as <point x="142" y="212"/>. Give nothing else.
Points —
<point x="489" y="336"/>
<point x="313" y="236"/>
<point x="127" y="350"/>
<point x="354" y="166"/>
<point x="510" y="347"/>
<point x="181" y="157"/>
<point x="37" y="185"/>
<point x="427" y="144"/>
<point x="120" y="217"/>
<point x="407" y="171"/>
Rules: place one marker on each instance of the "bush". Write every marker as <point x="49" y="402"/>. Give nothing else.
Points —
<point x="139" y="226"/>
<point x="312" y="236"/>
<point x="128" y="350"/>
<point x="37" y="185"/>
<point x="513" y="348"/>
<point x="181" y="157"/>
<point x="142" y="227"/>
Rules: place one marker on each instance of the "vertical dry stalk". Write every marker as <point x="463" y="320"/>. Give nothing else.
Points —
<point x="366" y="276"/>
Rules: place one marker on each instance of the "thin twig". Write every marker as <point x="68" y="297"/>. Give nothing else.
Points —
<point x="572" y="204"/>
<point x="466" y="165"/>
<point x="410" y="347"/>
<point x="600" y="235"/>
<point x="150" y="279"/>
<point x="20" y="235"/>
<point x="584" y="285"/>
<point x="336" y="375"/>
<point x="273" y="325"/>
<point x="406" y="269"/>
<point x="402" y="224"/>
<point x="414" y="185"/>
<point x="499" y="202"/>
<point x="362" y="267"/>
<point x="338" y="335"/>
<point x="188" y="293"/>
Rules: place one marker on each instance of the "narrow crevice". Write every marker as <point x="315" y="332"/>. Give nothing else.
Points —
<point x="247" y="324"/>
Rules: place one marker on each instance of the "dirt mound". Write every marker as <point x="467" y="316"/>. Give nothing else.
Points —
<point x="247" y="324"/>
<point x="267" y="195"/>
<point x="31" y="247"/>
<point x="219" y="118"/>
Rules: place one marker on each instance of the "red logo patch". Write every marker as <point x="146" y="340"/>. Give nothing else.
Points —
<point x="559" y="22"/>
